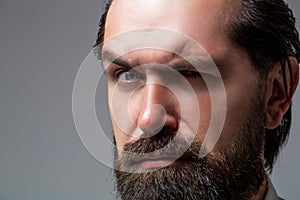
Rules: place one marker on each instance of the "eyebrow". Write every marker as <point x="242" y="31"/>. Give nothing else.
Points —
<point x="115" y="59"/>
<point x="179" y="64"/>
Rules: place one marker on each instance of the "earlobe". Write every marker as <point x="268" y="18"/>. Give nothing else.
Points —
<point x="278" y="98"/>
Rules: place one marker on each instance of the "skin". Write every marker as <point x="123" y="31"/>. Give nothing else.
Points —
<point x="217" y="45"/>
<point x="205" y="22"/>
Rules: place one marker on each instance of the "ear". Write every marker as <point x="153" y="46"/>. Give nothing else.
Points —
<point x="277" y="100"/>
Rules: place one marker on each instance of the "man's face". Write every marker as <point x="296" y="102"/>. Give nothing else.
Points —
<point x="156" y="115"/>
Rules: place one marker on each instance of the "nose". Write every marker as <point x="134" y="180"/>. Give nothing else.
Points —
<point x="160" y="109"/>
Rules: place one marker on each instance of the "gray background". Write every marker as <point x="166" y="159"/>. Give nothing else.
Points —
<point x="41" y="157"/>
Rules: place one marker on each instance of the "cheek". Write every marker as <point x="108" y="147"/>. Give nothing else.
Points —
<point x="204" y="105"/>
<point x="239" y="106"/>
<point x="121" y="137"/>
<point x="125" y="111"/>
<point x="120" y="120"/>
<point x="209" y="101"/>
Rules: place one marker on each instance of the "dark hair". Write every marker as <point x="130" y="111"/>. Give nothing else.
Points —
<point x="100" y="35"/>
<point x="266" y="30"/>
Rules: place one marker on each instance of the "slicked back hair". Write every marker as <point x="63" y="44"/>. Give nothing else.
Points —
<point x="266" y="30"/>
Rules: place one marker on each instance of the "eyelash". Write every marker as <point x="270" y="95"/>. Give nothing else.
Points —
<point x="190" y="73"/>
<point x="119" y="72"/>
<point x="185" y="73"/>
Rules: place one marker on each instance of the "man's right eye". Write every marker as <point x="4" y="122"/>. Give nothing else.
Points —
<point x="128" y="76"/>
<point x="128" y="80"/>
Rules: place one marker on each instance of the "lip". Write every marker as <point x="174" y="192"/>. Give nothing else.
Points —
<point x="159" y="161"/>
<point x="156" y="163"/>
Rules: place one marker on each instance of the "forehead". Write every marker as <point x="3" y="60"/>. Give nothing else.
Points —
<point x="205" y="21"/>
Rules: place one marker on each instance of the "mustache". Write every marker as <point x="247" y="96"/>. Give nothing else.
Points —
<point x="163" y="144"/>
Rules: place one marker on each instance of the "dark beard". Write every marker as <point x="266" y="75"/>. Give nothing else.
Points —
<point x="233" y="173"/>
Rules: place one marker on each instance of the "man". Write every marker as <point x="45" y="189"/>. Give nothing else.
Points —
<point x="162" y="146"/>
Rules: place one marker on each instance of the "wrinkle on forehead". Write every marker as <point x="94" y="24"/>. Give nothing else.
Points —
<point x="156" y="44"/>
<point x="202" y="20"/>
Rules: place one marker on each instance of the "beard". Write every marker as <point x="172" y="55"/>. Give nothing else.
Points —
<point x="235" y="172"/>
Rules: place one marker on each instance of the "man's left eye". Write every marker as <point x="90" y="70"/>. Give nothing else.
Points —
<point x="191" y="74"/>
